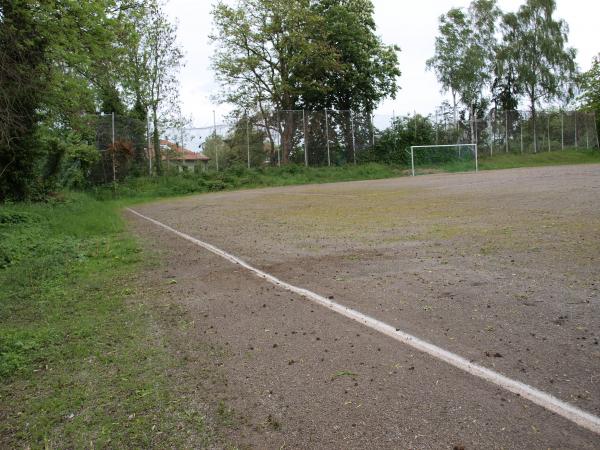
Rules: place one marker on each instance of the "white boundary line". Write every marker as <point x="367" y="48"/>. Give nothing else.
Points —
<point x="547" y="401"/>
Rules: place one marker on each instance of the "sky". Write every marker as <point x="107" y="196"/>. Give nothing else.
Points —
<point x="410" y="24"/>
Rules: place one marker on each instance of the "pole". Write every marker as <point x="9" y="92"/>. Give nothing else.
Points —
<point x="506" y="129"/>
<point x="476" y="158"/>
<point x="493" y="136"/>
<point x="548" y="123"/>
<point x="248" y="137"/>
<point x="353" y="137"/>
<point x="215" y="139"/>
<point x="412" y="160"/>
<point x="278" y="141"/>
<point x="150" y="156"/>
<point x="327" y="137"/>
<point x="521" y="128"/>
<point x="114" y="150"/>
<point x="576" y="143"/>
<point x="305" y="139"/>
<point x="562" y="130"/>
<point x="437" y="141"/>
<point x="373" y="129"/>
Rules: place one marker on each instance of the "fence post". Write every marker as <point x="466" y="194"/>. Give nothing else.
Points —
<point x="150" y="156"/>
<point x="215" y="139"/>
<point x="114" y="164"/>
<point x="353" y="136"/>
<point x="372" y="117"/>
<point x="327" y="137"/>
<point x="506" y="130"/>
<point x="278" y="141"/>
<point x="248" y="137"/>
<point x="521" y="128"/>
<point x="305" y="139"/>
<point x="576" y="142"/>
<point x="562" y="130"/>
<point x="493" y="122"/>
<point x="548" y="122"/>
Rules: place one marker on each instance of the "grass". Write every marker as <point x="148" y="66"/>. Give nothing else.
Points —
<point x="81" y="364"/>
<point x="501" y="161"/>
<point x="149" y="188"/>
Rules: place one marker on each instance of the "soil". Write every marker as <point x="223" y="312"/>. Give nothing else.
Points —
<point x="498" y="267"/>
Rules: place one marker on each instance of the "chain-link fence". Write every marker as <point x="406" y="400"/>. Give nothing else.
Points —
<point x="123" y="146"/>
<point x="521" y="132"/>
<point x="318" y="138"/>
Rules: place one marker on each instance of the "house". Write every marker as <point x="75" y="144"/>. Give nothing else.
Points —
<point x="175" y="155"/>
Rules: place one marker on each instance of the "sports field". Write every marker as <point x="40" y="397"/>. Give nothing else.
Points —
<point x="500" y="268"/>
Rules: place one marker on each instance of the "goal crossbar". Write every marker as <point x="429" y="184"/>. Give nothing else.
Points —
<point x="412" y="153"/>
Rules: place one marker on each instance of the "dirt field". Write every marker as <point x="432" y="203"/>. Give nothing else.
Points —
<point x="500" y="267"/>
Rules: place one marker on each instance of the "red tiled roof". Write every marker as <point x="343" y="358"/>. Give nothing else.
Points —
<point x="182" y="153"/>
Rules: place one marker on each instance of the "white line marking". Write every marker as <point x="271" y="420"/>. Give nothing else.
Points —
<point x="547" y="401"/>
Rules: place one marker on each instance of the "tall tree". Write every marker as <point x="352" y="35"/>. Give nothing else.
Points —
<point x="589" y="84"/>
<point x="155" y="58"/>
<point x="464" y="56"/>
<point x="267" y="54"/>
<point x="536" y="47"/>
<point x="285" y="55"/>
<point x="23" y="79"/>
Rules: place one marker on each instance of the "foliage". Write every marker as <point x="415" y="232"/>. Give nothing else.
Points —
<point x="60" y="62"/>
<point x="152" y="75"/>
<point x="393" y="147"/>
<point x="590" y="89"/>
<point x="23" y="73"/>
<point x="465" y="52"/>
<point x="535" y="47"/>
<point x="287" y="55"/>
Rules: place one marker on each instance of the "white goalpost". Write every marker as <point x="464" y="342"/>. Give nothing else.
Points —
<point x="442" y="153"/>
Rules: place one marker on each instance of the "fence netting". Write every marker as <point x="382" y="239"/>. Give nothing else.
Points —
<point x="318" y="138"/>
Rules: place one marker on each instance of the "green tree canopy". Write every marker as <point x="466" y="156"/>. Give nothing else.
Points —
<point x="535" y="47"/>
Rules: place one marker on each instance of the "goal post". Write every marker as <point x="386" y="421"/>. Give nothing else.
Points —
<point x="442" y="154"/>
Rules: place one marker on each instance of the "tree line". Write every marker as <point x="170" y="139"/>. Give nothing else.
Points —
<point x="64" y="60"/>
<point x="491" y="60"/>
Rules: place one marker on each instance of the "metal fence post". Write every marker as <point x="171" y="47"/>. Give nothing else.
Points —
<point x="327" y="137"/>
<point x="521" y="129"/>
<point x="248" y="137"/>
<point x="305" y="139"/>
<point x="279" y="140"/>
<point x="114" y="163"/>
<point x="353" y="136"/>
<point x="548" y="122"/>
<point x="562" y="130"/>
<point x="372" y="117"/>
<point x="576" y="141"/>
<point x="149" y="144"/>
<point x="215" y="139"/>
<point x="506" y="130"/>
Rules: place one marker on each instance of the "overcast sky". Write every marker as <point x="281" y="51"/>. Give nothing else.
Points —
<point x="411" y="25"/>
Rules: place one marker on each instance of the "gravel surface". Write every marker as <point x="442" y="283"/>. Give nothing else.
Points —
<point x="498" y="267"/>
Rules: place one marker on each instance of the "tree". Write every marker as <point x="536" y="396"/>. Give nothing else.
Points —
<point x="536" y="47"/>
<point x="464" y="56"/>
<point x="23" y="70"/>
<point x="589" y="84"/>
<point x="285" y="55"/>
<point x="155" y="61"/>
